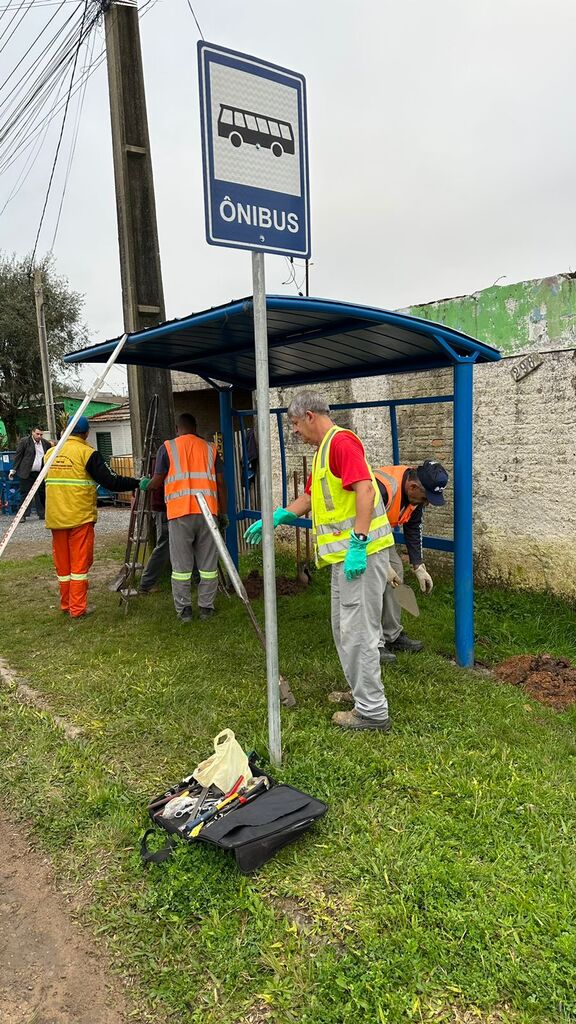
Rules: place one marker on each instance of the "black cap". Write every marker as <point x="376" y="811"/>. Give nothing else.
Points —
<point x="434" y="479"/>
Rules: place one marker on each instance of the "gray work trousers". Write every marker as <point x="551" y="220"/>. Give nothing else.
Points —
<point x="191" y="544"/>
<point x="391" y="624"/>
<point x="356" y="612"/>
<point x="160" y="557"/>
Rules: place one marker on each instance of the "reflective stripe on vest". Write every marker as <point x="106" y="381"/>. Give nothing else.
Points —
<point x="392" y="477"/>
<point x="191" y="471"/>
<point x="334" y="510"/>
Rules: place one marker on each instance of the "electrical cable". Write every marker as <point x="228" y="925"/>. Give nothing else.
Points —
<point x="29" y="49"/>
<point x="195" y="19"/>
<point x="59" y="140"/>
<point x="16" y="131"/>
<point x="5" y="9"/>
<point x="30" y="162"/>
<point x="16" y="27"/>
<point x="75" y="132"/>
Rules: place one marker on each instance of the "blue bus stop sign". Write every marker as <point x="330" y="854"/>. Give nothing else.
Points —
<point x="255" y="153"/>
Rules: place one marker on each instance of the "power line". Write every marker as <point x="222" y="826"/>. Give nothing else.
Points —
<point x="73" y="146"/>
<point x="34" y="4"/>
<point x="30" y="162"/>
<point x="59" y="138"/>
<point x="21" y="122"/>
<point x="195" y="19"/>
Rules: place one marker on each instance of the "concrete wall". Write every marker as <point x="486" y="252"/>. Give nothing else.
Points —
<point x="525" y="432"/>
<point x="524" y="463"/>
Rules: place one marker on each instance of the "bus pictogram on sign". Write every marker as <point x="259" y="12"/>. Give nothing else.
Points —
<point x="245" y="126"/>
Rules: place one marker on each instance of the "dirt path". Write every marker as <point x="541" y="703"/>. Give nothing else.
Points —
<point x="49" y="971"/>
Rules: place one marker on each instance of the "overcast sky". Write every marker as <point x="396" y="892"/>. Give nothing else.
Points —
<point x="442" y="148"/>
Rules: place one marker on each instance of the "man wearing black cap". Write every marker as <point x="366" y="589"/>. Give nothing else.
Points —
<point x="406" y="490"/>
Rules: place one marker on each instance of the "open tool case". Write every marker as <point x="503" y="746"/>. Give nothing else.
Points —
<point x="253" y="831"/>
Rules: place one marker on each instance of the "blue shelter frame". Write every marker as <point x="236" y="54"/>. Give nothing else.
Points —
<point x="312" y="341"/>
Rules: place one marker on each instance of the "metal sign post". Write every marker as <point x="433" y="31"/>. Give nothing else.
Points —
<point x="256" y="196"/>
<point x="265" y="470"/>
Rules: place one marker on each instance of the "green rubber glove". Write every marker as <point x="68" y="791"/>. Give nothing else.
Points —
<point x="253" y="534"/>
<point x="144" y="483"/>
<point x="355" y="561"/>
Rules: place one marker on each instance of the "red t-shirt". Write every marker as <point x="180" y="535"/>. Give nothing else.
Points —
<point x="347" y="461"/>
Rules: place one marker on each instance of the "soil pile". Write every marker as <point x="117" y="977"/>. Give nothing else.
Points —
<point x="550" y="680"/>
<point x="284" y="587"/>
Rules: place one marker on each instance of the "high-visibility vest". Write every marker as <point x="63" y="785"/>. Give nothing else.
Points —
<point x="391" y="477"/>
<point x="191" y="471"/>
<point x="334" y="510"/>
<point x="70" y="490"/>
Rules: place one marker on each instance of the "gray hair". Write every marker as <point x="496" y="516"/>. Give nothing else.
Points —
<point x="307" y="401"/>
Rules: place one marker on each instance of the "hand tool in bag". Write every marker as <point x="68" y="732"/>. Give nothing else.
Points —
<point x="406" y="598"/>
<point x="196" y="805"/>
<point x="288" y="698"/>
<point x="241" y="796"/>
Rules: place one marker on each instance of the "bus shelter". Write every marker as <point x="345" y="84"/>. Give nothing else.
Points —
<point x="311" y="342"/>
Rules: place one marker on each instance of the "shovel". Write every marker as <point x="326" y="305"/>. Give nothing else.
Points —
<point x="406" y="598"/>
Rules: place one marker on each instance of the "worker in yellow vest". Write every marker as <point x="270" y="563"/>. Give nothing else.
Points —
<point x="352" y="536"/>
<point x="405" y="491"/>
<point x="186" y="466"/>
<point x="71" y="484"/>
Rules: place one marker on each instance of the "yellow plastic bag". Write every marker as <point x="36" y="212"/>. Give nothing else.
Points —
<point x="224" y="767"/>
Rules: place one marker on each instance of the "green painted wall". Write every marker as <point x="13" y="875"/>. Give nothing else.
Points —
<point x="30" y="417"/>
<point x="71" y="404"/>
<point x="532" y="314"/>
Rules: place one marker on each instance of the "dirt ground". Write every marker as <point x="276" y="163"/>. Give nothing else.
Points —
<point x="550" y="680"/>
<point x="284" y="587"/>
<point x="32" y="538"/>
<point x="49" y="971"/>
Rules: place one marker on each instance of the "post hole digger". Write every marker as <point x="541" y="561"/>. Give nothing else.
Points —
<point x="286" y="695"/>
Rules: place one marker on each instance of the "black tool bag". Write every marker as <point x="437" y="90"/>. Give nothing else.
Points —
<point x="254" y="831"/>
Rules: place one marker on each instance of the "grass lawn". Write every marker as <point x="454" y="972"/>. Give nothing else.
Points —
<point x="441" y="884"/>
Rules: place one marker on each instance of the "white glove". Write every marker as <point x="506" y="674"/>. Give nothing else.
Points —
<point x="424" y="578"/>
<point x="392" y="577"/>
<point x="11" y="474"/>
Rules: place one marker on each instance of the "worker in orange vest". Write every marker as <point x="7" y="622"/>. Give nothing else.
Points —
<point x="71" y="484"/>
<point x="406" y="490"/>
<point x="187" y="466"/>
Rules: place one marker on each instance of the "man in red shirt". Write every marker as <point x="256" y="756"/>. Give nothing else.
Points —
<point x="352" y="535"/>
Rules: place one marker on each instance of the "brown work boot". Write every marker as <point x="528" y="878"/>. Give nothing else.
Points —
<point x="341" y="697"/>
<point x="354" y="720"/>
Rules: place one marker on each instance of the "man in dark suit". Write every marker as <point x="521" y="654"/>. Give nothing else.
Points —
<point x="28" y="462"/>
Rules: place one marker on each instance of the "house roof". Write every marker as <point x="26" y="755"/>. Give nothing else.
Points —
<point x="310" y="340"/>
<point x="121" y="412"/>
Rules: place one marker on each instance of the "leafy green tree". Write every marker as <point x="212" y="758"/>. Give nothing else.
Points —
<point x="20" y="367"/>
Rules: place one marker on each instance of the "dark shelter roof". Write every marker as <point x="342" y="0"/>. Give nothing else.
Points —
<point x="309" y="341"/>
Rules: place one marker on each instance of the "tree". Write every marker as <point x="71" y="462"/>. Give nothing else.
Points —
<point x="20" y="367"/>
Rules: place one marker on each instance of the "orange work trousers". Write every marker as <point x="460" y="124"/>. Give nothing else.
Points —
<point x="73" y="553"/>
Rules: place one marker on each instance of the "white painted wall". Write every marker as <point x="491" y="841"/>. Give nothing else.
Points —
<point x="121" y="435"/>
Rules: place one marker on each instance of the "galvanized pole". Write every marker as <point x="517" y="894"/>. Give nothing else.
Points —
<point x="463" y="519"/>
<point x="265" y="471"/>
<point x="44" y="357"/>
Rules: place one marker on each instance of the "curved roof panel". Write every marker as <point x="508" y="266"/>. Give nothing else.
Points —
<point x="310" y="340"/>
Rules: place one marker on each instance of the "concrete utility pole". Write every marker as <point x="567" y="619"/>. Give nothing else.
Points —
<point x="142" y="292"/>
<point x="44" y="358"/>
